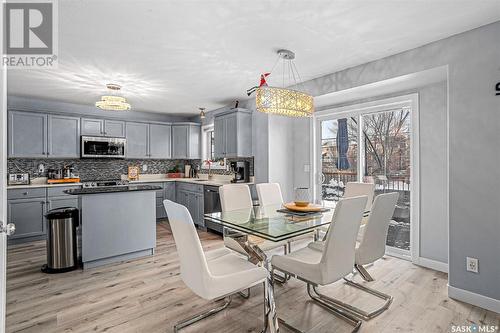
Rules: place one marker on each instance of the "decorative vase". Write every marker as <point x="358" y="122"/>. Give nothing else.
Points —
<point x="302" y="196"/>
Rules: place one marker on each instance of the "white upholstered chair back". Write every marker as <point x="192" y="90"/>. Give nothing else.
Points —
<point x="269" y="194"/>
<point x="234" y="197"/>
<point x="337" y="260"/>
<point x="354" y="189"/>
<point x="194" y="268"/>
<point x="372" y="244"/>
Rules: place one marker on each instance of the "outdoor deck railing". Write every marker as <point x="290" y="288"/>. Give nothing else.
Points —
<point x="395" y="183"/>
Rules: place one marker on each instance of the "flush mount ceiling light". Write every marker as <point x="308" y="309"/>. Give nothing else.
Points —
<point x="284" y="101"/>
<point x="113" y="102"/>
<point x="202" y="113"/>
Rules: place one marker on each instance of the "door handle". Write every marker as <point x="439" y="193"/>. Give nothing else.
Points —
<point x="9" y="229"/>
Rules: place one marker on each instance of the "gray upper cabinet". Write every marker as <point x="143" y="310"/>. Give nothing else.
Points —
<point x="103" y="127"/>
<point x="92" y="127"/>
<point x="233" y="133"/>
<point x="27" y="134"/>
<point x="159" y="141"/>
<point x="186" y="141"/>
<point x="137" y="140"/>
<point x="63" y="136"/>
<point x="114" y="128"/>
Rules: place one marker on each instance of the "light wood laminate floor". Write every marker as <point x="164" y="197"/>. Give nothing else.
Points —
<point x="147" y="295"/>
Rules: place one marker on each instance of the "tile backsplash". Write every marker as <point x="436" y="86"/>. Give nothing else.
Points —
<point x="92" y="169"/>
<point x="225" y="172"/>
<point x="101" y="169"/>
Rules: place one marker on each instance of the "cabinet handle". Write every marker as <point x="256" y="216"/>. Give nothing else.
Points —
<point x="25" y="193"/>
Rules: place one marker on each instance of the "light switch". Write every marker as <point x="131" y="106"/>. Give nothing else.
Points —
<point x="144" y="167"/>
<point x="307" y="167"/>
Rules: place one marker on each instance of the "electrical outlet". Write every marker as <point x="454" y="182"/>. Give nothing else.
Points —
<point x="144" y="167"/>
<point x="472" y="265"/>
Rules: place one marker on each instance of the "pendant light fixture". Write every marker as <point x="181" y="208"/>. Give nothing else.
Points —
<point x="202" y="113"/>
<point x="113" y="101"/>
<point x="284" y="101"/>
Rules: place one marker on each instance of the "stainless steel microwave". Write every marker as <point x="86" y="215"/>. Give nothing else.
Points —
<point x="103" y="147"/>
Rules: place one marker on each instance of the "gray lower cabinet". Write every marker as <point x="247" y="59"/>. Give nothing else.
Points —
<point x="65" y="201"/>
<point x="63" y="136"/>
<point x="186" y="141"/>
<point x="233" y="133"/>
<point x="137" y="140"/>
<point x="28" y="216"/>
<point x="27" y="134"/>
<point x="26" y="208"/>
<point x="160" y="141"/>
<point x="191" y="196"/>
<point x="169" y="191"/>
<point x="160" y="210"/>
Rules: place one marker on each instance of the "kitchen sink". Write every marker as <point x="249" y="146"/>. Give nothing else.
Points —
<point x="201" y="180"/>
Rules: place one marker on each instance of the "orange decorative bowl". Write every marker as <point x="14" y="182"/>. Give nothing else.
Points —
<point x="301" y="203"/>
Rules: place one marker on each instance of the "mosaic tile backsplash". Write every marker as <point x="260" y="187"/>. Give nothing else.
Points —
<point x="102" y="169"/>
<point x="91" y="169"/>
<point x="224" y="172"/>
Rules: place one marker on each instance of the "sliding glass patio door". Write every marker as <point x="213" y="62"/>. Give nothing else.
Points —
<point x="373" y="145"/>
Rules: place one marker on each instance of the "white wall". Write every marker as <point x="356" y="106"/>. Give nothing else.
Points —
<point x="282" y="154"/>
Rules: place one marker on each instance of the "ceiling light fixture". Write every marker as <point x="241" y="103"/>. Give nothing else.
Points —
<point x="113" y="102"/>
<point x="284" y="101"/>
<point x="202" y="113"/>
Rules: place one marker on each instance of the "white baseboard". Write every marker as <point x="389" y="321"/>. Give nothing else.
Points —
<point x="432" y="264"/>
<point x="466" y="296"/>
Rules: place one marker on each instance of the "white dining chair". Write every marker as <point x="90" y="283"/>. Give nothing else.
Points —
<point x="213" y="275"/>
<point x="354" y="189"/>
<point x="370" y="248"/>
<point x="238" y="197"/>
<point x="269" y="194"/>
<point x="334" y="262"/>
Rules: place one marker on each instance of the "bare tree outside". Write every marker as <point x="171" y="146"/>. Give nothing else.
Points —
<point x="386" y="162"/>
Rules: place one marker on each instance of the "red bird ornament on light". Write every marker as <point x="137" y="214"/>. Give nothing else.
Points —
<point x="263" y="83"/>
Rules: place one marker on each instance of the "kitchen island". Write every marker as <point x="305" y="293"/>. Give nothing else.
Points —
<point x="118" y="223"/>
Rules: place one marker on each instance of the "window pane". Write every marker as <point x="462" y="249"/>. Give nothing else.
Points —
<point x="339" y="160"/>
<point x="387" y="164"/>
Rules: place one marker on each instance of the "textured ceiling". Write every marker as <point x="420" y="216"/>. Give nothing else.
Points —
<point x="174" y="56"/>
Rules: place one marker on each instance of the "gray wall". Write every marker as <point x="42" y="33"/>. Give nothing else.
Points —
<point x="34" y="104"/>
<point x="474" y="141"/>
<point x="474" y="138"/>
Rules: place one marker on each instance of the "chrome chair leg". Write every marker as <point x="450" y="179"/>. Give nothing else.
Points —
<point x="243" y="295"/>
<point x="202" y="315"/>
<point x="369" y="315"/>
<point x="364" y="273"/>
<point x="278" y="278"/>
<point x="338" y="311"/>
<point x="288" y="326"/>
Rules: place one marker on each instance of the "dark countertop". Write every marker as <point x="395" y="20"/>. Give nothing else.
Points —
<point x="112" y="189"/>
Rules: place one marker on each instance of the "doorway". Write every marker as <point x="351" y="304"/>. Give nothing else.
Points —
<point x="375" y="142"/>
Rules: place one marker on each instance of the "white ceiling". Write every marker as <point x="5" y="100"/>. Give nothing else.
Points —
<point x="174" y="56"/>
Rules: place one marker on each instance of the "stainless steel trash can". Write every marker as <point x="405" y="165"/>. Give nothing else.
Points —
<point x="62" y="253"/>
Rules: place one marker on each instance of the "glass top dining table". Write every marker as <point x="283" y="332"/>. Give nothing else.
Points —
<point x="268" y="223"/>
